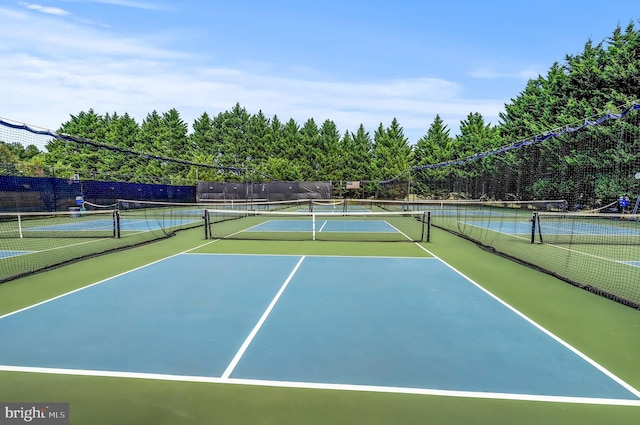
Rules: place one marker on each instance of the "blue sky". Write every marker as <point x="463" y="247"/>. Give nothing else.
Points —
<point x="352" y="61"/>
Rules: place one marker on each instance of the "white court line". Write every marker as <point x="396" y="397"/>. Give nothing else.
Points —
<point x="14" y="253"/>
<point x="256" y="328"/>
<point x="482" y="227"/>
<point x="546" y="244"/>
<point x="397" y="230"/>
<point x="92" y="240"/>
<point x="324" y="386"/>
<point x="249" y="229"/>
<point x="307" y="255"/>
<point x="102" y="281"/>
<point x="579" y="353"/>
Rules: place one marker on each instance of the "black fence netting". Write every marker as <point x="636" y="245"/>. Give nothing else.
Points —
<point x="19" y="194"/>
<point x="566" y="202"/>
<point x="268" y="191"/>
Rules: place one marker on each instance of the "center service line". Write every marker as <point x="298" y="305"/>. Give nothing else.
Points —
<point x="258" y="325"/>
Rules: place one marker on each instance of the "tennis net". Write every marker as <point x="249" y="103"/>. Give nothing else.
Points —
<point x="598" y="250"/>
<point x="590" y="228"/>
<point x="157" y="219"/>
<point x="35" y="241"/>
<point x="75" y="223"/>
<point x="382" y="226"/>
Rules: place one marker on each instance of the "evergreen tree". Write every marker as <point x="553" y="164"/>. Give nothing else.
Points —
<point x="602" y="78"/>
<point x="9" y="160"/>
<point x="393" y="155"/>
<point x="434" y="148"/>
<point x="151" y="141"/>
<point x="163" y="136"/>
<point x="329" y="167"/>
<point x="475" y="137"/>
<point x="355" y="161"/>
<point x="277" y="147"/>
<point x="70" y="158"/>
<point x="358" y="156"/>
<point x="259" y="139"/>
<point x="203" y="137"/>
<point x="121" y="131"/>
<point x="291" y="143"/>
<point x="205" y="142"/>
<point x="308" y="151"/>
<point x="234" y="150"/>
<point x="282" y="169"/>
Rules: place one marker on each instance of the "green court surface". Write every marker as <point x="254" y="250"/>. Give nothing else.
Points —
<point x="605" y="331"/>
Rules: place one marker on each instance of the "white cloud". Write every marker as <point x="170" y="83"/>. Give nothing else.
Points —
<point x="131" y="4"/>
<point x="23" y="33"/>
<point x="489" y="73"/>
<point x="46" y="92"/>
<point x="8" y="14"/>
<point x="76" y="68"/>
<point x="45" y="9"/>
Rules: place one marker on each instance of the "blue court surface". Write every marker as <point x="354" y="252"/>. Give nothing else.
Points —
<point x="453" y="211"/>
<point x="509" y="227"/>
<point x="145" y="224"/>
<point x="366" y="226"/>
<point x="7" y="254"/>
<point x="570" y="228"/>
<point x="78" y="226"/>
<point x="336" y="209"/>
<point x="373" y="323"/>
<point x="126" y="224"/>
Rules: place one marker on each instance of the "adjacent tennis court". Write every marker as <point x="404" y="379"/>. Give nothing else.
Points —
<point x="359" y="225"/>
<point x="7" y="253"/>
<point x="92" y="223"/>
<point x="604" y="227"/>
<point x="369" y="226"/>
<point x="306" y="321"/>
<point x="295" y="300"/>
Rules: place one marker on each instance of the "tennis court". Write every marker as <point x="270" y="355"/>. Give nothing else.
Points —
<point x="375" y="226"/>
<point x="92" y="223"/>
<point x="306" y="321"/>
<point x="142" y="224"/>
<point x="358" y="225"/>
<point x="522" y="227"/>
<point x="7" y="253"/>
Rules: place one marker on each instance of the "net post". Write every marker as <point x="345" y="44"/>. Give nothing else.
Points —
<point x="20" y="226"/>
<point x="428" y="218"/>
<point x="206" y="224"/>
<point x="539" y="228"/>
<point x="534" y="218"/>
<point x="313" y="226"/>
<point x="116" y="224"/>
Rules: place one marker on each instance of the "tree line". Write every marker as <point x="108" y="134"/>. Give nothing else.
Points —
<point x="603" y="78"/>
